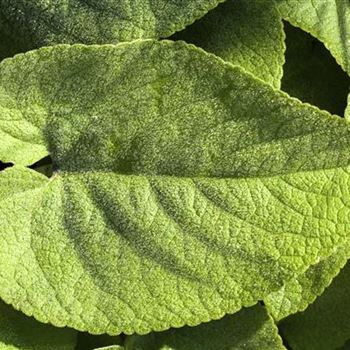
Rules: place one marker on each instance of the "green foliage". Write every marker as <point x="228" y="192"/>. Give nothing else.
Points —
<point x="248" y="33"/>
<point x="46" y="22"/>
<point x="248" y="329"/>
<point x="301" y="291"/>
<point x="327" y="20"/>
<point x="312" y="74"/>
<point x="161" y="190"/>
<point x="158" y="185"/>
<point x="324" y="324"/>
<point x="19" y="332"/>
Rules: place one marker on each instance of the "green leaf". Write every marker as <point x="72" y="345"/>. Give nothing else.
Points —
<point x="347" y="111"/>
<point x="47" y="22"/>
<point x="324" y="324"/>
<point x="250" y="328"/>
<point x="311" y="73"/>
<point x="184" y="188"/>
<point x="18" y="331"/>
<point x="248" y="33"/>
<point x="299" y="292"/>
<point x="326" y="20"/>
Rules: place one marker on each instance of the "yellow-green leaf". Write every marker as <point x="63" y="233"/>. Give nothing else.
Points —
<point x="183" y="187"/>
<point x="303" y="290"/>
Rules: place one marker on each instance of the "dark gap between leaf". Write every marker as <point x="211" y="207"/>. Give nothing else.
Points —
<point x="88" y="341"/>
<point x="284" y="340"/>
<point x="311" y="74"/>
<point x="44" y="166"/>
<point x="3" y="166"/>
<point x="261" y="302"/>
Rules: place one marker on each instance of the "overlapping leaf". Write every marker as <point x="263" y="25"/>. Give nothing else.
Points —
<point x="301" y="291"/>
<point x="248" y="329"/>
<point x="18" y="332"/>
<point x="184" y="188"/>
<point x="312" y="74"/>
<point x="44" y="22"/>
<point x="248" y="33"/>
<point x="324" y="324"/>
<point x="327" y="20"/>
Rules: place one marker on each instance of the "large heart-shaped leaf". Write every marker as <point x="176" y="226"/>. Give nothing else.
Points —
<point x="44" y="22"/>
<point x="184" y="188"/>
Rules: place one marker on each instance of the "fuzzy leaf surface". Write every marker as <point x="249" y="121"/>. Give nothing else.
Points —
<point x="248" y="33"/>
<point x="327" y="20"/>
<point x="48" y="22"/>
<point x="184" y="188"/>
<point x="303" y="290"/>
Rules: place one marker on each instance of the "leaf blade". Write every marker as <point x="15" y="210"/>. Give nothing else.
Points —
<point x="245" y="33"/>
<point x="167" y="172"/>
<point x="94" y="22"/>
<point x="297" y="294"/>
<point x="328" y="21"/>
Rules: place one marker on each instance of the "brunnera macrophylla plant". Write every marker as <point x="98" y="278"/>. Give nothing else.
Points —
<point x="190" y="202"/>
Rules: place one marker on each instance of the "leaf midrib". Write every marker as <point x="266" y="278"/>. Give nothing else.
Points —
<point x="79" y="173"/>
